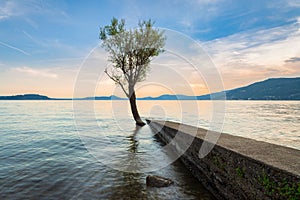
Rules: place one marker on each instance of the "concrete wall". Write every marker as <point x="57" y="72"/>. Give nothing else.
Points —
<point x="237" y="167"/>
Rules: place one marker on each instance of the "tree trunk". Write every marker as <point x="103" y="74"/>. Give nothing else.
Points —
<point x="134" y="110"/>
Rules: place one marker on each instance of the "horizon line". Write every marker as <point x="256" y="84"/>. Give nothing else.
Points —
<point x="14" y="95"/>
<point x="122" y="97"/>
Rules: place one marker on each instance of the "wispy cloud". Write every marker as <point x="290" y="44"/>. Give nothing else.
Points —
<point x="32" y="38"/>
<point x="257" y="54"/>
<point x="36" y="72"/>
<point x="293" y="60"/>
<point x="206" y="10"/>
<point x="8" y="9"/>
<point x="15" y="8"/>
<point x="52" y="80"/>
<point x="293" y="3"/>
<point x="15" y="48"/>
<point x="270" y="46"/>
<point x="42" y="46"/>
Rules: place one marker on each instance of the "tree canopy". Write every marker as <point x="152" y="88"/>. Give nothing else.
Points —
<point x="130" y="51"/>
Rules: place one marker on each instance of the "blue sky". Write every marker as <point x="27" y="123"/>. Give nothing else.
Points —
<point x="43" y="43"/>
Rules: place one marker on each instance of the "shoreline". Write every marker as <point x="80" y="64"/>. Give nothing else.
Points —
<point x="236" y="167"/>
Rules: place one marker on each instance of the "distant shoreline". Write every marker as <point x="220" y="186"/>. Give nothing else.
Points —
<point x="36" y="97"/>
<point x="274" y="89"/>
<point x="83" y="99"/>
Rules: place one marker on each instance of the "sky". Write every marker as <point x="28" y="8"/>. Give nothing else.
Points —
<point x="44" y="44"/>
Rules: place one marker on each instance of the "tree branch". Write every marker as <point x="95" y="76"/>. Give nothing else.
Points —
<point x="117" y="81"/>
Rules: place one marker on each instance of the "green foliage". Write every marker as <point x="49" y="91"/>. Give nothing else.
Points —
<point x="115" y="28"/>
<point x="284" y="189"/>
<point x="290" y="191"/>
<point x="267" y="184"/>
<point x="218" y="162"/>
<point x="131" y="51"/>
<point x="240" y="172"/>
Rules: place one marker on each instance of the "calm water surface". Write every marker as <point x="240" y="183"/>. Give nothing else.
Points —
<point x="46" y="154"/>
<point x="43" y="157"/>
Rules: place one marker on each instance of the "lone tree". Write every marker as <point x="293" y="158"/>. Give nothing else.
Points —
<point x="130" y="52"/>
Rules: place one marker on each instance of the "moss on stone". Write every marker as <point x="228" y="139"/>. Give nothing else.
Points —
<point x="284" y="189"/>
<point x="240" y="172"/>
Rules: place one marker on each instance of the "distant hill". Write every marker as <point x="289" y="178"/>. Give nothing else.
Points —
<point x="169" y="97"/>
<point x="112" y="97"/>
<point x="270" y="89"/>
<point x="25" y="97"/>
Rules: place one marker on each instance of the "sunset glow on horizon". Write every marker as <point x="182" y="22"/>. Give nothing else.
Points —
<point x="44" y="44"/>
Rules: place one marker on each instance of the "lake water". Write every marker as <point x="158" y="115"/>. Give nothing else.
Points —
<point x="46" y="153"/>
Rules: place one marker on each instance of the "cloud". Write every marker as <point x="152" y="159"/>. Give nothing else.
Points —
<point x="36" y="72"/>
<point x="293" y="3"/>
<point x="52" y="80"/>
<point x="44" y="45"/>
<point x="256" y="54"/>
<point x="14" y="48"/>
<point x="257" y="46"/>
<point x="269" y="46"/>
<point x="8" y="9"/>
<point x="293" y="60"/>
<point x="32" y="38"/>
<point x="199" y="10"/>
<point x="16" y="8"/>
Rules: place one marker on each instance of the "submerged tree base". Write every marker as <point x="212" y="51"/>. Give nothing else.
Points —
<point x="140" y="123"/>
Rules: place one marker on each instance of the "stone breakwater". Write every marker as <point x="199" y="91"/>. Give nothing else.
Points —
<point x="237" y="167"/>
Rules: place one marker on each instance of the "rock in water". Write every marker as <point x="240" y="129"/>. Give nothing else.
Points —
<point x="158" y="181"/>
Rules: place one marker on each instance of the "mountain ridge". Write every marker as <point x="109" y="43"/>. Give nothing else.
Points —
<point x="269" y="89"/>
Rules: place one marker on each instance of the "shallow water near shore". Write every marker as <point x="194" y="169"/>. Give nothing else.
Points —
<point x="44" y="154"/>
<point x="43" y="157"/>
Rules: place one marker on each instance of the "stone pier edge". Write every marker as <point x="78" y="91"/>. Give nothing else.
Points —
<point x="237" y="167"/>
